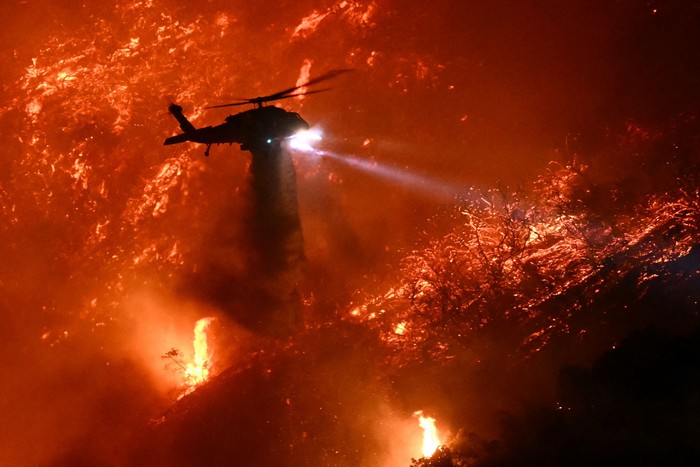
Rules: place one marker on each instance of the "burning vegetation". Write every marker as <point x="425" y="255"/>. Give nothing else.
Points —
<point x="197" y="371"/>
<point x="520" y="282"/>
<point x="529" y="264"/>
<point x="551" y="324"/>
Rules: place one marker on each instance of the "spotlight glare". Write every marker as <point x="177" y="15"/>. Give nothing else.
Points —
<point x="304" y="140"/>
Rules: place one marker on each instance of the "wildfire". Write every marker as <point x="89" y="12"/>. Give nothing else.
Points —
<point x="431" y="441"/>
<point x="400" y="328"/>
<point x="197" y="371"/>
<point x="304" y="76"/>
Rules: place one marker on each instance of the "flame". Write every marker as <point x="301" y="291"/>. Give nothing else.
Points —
<point x="309" y="23"/>
<point x="400" y="328"/>
<point x="304" y="76"/>
<point x="197" y="372"/>
<point x="431" y="441"/>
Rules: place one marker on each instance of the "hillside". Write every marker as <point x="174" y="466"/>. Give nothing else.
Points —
<point x="502" y="315"/>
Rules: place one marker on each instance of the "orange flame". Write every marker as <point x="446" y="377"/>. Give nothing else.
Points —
<point x="431" y="441"/>
<point x="304" y="76"/>
<point x="198" y="371"/>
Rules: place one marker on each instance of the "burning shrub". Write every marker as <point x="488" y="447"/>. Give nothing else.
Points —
<point x="522" y="267"/>
<point x="443" y="457"/>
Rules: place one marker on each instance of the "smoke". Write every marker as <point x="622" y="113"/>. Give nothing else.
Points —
<point x="252" y="260"/>
<point x="609" y="412"/>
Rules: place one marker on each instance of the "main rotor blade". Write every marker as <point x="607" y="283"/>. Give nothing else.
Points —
<point x="227" y="105"/>
<point x="287" y="92"/>
<point x="323" y="77"/>
<point x="297" y="94"/>
<point x="242" y="102"/>
<point x="258" y="100"/>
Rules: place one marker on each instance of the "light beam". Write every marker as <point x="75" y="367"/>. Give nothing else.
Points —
<point x="428" y="186"/>
<point x="303" y="141"/>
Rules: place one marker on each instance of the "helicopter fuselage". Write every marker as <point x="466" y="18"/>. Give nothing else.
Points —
<point x="259" y="129"/>
<point x="252" y="128"/>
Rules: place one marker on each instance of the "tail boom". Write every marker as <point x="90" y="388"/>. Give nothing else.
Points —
<point x="181" y="138"/>
<point x="185" y="124"/>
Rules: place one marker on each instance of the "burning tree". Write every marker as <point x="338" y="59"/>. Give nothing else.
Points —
<point x="443" y="457"/>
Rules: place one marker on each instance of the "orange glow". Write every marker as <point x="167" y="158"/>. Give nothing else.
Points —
<point x="431" y="441"/>
<point x="304" y="76"/>
<point x="198" y="371"/>
<point x="389" y="273"/>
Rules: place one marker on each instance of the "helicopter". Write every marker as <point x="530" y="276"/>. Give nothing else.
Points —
<point x="257" y="129"/>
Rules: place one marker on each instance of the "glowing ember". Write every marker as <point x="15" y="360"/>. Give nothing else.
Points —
<point x="309" y="23"/>
<point x="198" y="371"/>
<point x="430" y="436"/>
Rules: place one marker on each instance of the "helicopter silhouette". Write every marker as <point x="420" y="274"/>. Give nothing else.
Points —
<point x="257" y="129"/>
